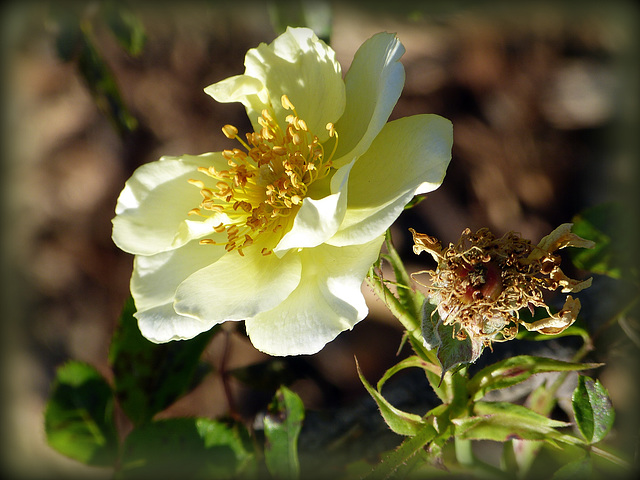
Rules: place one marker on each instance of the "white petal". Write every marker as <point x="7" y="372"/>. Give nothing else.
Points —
<point x="152" y="209"/>
<point x="304" y="68"/>
<point x="409" y="156"/>
<point x="245" y="89"/>
<point x="328" y="301"/>
<point x="156" y="277"/>
<point x="236" y="287"/>
<point x="318" y="220"/>
<point x="374" y="83"/>
<point x="162" y="324"/>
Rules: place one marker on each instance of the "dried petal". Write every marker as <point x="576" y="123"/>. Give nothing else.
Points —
<point x="561" y="237"/>
<point x="559" y="322"/>
<point x="425" y="243"/>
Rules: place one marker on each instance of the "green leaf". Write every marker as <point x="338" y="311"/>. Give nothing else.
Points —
<point x="514" y="370"/>
<point x="581" y="468"/>
<point x="592" y="408"/>
<point x="282" y="425"/>
<point x="103" y="86"/>
<point x="413" y="361"/>
<point x="149" y="377"/>
<point x="503" y="421"/>
<point x="402" y="423"/>
<point x="603" y="224"/>
<point x="69" y="37"/>
<point x="75" y="42"/>
<point x="187" y="448"/>
<point x="434" y="377"/>
<point x="126" y="27"/>
<point x="79" y="415"/>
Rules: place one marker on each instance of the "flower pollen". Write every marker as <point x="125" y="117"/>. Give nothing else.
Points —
<point x="266" y="181"/>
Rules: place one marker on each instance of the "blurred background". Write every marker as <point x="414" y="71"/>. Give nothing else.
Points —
<point x="542" y="96"/>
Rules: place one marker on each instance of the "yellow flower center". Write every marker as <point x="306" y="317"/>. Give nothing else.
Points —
<point x="266" y="180"/>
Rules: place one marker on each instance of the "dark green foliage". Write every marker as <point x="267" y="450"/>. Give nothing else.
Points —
<point x="78" y="418"/>
<point x="149" y="377"/>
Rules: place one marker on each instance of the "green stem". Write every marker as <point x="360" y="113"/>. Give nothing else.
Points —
<point x="464" y="452"/>
<point x="615" y="318"/>
<point x="469" y="462"/>
<point x="610" y="456"/>
<point x="403" y="453"/>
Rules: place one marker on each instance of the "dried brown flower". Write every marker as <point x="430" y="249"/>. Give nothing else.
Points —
<point x="482" y="282"/>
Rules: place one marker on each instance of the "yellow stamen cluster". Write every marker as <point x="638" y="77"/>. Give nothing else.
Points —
<point x="482" y="283"/>
<point x="266" y="180"/>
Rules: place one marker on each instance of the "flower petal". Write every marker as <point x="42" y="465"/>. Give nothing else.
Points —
<point x="297" y="64"/>
<point x="153" y="286"/>
<point x="156" y="277"/>
<point x="373" y="84"/>
<point x="151" y="213"/>
<point x="245" y="89"/>
<point x="162" y="324"/>
<point x="409" y="156"/>
<point x="318" y="220"/>
<point x="237" y="287"/>
<point x="327" y="301"/>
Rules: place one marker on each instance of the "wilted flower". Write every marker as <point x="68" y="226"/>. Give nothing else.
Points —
<point x="482" y="282"/>
<point x="281" y="230"/>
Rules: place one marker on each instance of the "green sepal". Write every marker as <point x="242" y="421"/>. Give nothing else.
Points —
<point x="410" y="298"/>
<point x="450" y="351"/>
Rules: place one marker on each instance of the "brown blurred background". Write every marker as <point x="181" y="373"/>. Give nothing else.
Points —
<point x="542" y="98"/>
